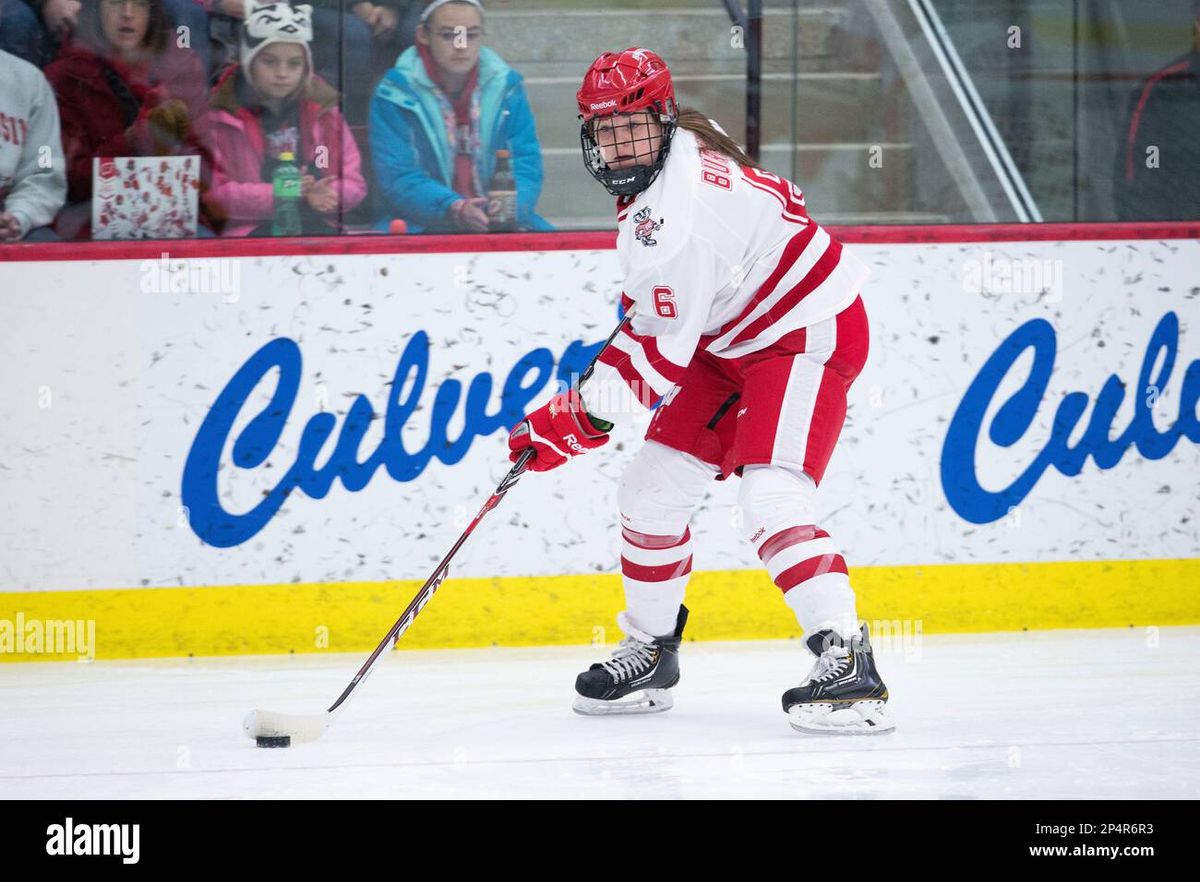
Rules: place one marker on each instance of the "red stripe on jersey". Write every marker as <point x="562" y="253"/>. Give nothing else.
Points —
<point x="789" y="301"/>
<point x="787" y="538"/>
<point x="652" y="541"/>
<point x="791" y="253"/>
<point x="658" y="361"/>
<point x="810" y="569"/>
<point x="623" y="365"/>
<point x="792" y="212"/>
<point x="788" y="194"/>
<point x="626" y="302"/>
<point x="615" y="358"/>
<point x="663" y="573"/>
<point x="670" y="371"/>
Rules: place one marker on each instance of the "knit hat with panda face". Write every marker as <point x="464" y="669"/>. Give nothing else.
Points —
<point x="268" y="23"/>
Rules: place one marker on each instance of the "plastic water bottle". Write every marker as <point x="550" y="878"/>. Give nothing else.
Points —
<point x="502" y="196"/>
<point x="286" y="187"/>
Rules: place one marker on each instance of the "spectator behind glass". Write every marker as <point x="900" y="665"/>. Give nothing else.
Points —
<point x="1164" y="114"/>
<point x="124" y="89"/>
<point x="33" y="183"/>
<point x="349" y="47"/>
<point x="437" y="120"/>
<point x="374" y="34"/>
<point x="272" y="103"/>
<point x="35" y="29"/>
<point x="21" y="30"/>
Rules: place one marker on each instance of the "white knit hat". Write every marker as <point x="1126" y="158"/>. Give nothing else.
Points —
<point x="268" y="23"/>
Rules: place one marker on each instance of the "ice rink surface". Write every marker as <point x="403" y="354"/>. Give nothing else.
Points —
<point x="1051" y="715"/>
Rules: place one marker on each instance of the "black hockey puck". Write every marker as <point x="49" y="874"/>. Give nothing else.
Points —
<point x="273" y="740"/>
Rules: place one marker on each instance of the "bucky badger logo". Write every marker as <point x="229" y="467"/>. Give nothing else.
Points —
<point x="646" y="227"/>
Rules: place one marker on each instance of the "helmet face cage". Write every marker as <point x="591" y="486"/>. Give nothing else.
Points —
<point x="634" y="179"/>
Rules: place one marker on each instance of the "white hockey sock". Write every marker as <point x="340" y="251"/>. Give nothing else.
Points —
<point x="655" y="572"/>
<point x="805" y="564"/>
<point x="824" y="602"/>
<point x="801" y="558"/>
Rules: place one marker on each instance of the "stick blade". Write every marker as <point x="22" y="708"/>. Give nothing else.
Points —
<point x="298" y="727"/>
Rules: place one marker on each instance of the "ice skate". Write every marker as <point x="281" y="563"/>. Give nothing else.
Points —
<point x="843" y="694"/>
<point x="639" y="676"/>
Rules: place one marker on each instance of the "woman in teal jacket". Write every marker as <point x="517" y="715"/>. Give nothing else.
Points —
<point x="437" y="119"/>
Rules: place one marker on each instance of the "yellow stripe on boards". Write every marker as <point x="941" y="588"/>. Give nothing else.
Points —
<point x="548" y="610"/>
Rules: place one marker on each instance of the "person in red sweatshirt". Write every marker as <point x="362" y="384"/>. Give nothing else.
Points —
<point x="272" y="103"/>
<point x="124" y="88"/>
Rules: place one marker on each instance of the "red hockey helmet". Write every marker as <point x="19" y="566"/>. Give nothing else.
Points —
<point x="622" y="82"/>
<point x="626" y="82"/>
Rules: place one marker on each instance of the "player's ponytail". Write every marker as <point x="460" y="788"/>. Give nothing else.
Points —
<point x="711" y="137"/>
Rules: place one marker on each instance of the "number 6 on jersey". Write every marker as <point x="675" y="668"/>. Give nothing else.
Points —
<point x="664" y="302"/>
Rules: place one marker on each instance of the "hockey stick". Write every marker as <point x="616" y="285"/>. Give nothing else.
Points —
<point x="272" y="729"/>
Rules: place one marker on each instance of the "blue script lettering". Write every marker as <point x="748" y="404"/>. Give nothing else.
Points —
<point x="959" y="454"/>
<point x="348" y="462"/>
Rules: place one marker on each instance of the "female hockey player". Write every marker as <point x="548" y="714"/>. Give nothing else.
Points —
<point x="748" y="325"/>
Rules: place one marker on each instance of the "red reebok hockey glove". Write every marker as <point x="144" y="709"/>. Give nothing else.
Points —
<point x="557" y="431"/>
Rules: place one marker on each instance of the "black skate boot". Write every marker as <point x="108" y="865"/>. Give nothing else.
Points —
<point x="843" y="694"/>
<point x="639" y="676"/>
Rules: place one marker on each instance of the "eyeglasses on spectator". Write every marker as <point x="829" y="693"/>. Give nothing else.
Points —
<point x="449" y="35"/>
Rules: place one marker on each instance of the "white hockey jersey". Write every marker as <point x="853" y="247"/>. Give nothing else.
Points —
<point x="715" y="257"/>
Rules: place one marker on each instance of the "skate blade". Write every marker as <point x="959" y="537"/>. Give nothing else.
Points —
<point x="649" y="701"/>
<point x="860" y="718"/>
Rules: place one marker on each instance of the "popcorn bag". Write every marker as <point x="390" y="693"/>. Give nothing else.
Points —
<point x="145" y="197"/>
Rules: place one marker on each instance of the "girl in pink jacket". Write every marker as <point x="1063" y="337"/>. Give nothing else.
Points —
<point x="272" y="104"/>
